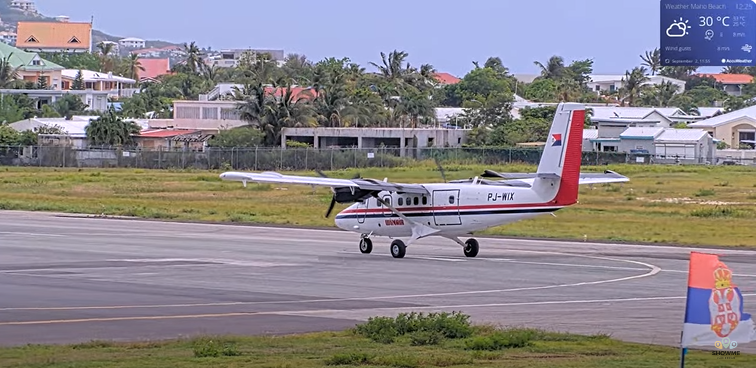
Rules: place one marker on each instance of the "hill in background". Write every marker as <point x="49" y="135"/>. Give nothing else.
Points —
<point x="11" y="16"/>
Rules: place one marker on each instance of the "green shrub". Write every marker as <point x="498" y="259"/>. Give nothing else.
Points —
<point x="207" y="347"/>
<point x="422" y="338"/>
<point x="502" y="339"/>
<point x="349" y="359"/>
<point x="426" y="328"/>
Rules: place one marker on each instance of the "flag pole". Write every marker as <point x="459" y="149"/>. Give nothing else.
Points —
<point x="683" y="349"/>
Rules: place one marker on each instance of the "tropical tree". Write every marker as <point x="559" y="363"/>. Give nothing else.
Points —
<point x="109" y="129"/>
<point x="633" y="86"/>
<point x="8" y="73"/>
<point x="652" y="60"/>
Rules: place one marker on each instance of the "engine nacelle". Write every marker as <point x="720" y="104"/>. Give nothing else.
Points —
<point x="345" y="195"/>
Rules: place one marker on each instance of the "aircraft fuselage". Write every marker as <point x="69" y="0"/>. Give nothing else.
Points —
<point x="453" y="209"/>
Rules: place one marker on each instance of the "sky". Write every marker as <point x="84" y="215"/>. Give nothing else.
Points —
<point x="447" y="34"/>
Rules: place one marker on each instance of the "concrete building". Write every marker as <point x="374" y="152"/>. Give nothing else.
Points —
<point x="206" y="116"/>
<point x="665" y="116"/>
<point x="172" y="139"/>
<point x="96" y="100"/>
<point x="66" y="37"/>
<point x="115" y="86"/>
<point x="732" y="128"/>
<point x="362" y="138"/>
<point x="614" y="82"/>
<point x="651" y="141"/>
<point x="74" y="130"/>
<point x="8" y="38"/>
<point x="610" y="82"/>
<point x="25" y="5"/>
<point x="230" y="58"/>
<point x="732" y="84"/>
<point x="132" y="43"/>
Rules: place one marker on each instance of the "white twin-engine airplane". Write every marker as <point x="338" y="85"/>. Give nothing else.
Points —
<point x="460" y="207"/>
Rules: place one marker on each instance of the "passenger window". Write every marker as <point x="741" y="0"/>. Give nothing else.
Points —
<point x="451" y="199"/>
<point x="400" y="201"/>
<point x="425" y="200"/>
<point x="416" y="201"/>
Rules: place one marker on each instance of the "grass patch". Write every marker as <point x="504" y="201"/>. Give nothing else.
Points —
<point x="456" y="342"/>
<point x="670" y="204"/>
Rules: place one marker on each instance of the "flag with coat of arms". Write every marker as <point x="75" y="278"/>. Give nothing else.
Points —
<point x="714" y="308"/>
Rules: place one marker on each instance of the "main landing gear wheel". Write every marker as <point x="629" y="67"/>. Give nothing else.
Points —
<point x="398" y="249"/>
<point x="366" y="245"/>
<point x="471" y="247"/>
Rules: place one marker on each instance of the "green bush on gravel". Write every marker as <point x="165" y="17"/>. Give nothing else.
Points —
<point x="424" y="329"/>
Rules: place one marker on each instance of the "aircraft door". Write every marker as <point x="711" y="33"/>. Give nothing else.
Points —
<point x="446" y="207"/>
<point x="362" y="207"/>
<point x="387" y="199"/>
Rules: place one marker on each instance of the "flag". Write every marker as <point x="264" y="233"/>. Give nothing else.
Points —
<point x="714" y="313"/>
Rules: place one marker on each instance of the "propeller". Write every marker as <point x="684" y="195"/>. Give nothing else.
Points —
<point x="333" y="190"/>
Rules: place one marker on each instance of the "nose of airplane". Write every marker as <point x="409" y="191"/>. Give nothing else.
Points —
<point x="341" y="222"/>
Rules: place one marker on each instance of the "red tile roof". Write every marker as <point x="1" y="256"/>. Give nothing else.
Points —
<point x="296" y="92"/>
<point x="154" y="68"/>
<point x="446" y="78"/>
<point x="165" y="133"/>
<point x="730" y="78"/>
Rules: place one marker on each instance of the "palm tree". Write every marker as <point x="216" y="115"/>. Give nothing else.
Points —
<point x="193" y="57"/>
<point x="735" y="70"/>
<point x="134" y="66"/>
<point x="8" y="74"/>
<point x="553" y="69"/>
<point x="633" y="85"/>
<point x="110" y="130"/>
<point x="107" y="63"/>
<point x="652" y="59"/>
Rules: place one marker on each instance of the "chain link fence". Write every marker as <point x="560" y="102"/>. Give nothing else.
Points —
<point x="262" y="159"/>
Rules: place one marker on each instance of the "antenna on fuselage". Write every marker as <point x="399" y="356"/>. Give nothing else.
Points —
<point x="441" y="169"/>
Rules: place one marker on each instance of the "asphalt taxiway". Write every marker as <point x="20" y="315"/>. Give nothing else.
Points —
<point x="66" y="279"/>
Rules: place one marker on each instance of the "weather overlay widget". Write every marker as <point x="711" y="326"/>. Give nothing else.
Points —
<point x="708" y="33"/>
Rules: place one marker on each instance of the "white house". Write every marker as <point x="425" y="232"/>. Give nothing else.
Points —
<point x="732" y="128"/>
<point x="613" y="82"/>
<point x="666" y="116"/>
<point x="74" y="130"/>
<point x="132" y="42"/>
<point x="115" y="85"/>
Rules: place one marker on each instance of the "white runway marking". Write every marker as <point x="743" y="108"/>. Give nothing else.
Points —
<point x="734" y="274"/>
<point x="29" y="234"/>
<point x="653" y="271"/>
<point x="549" y="302"/>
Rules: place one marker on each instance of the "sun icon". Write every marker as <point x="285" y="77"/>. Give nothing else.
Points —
<point x="678" y="28"/>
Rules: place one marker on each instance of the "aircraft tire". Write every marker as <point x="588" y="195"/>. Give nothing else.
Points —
<point x="471" y="248"/>
<point x="366" y="245"/>
<point x="398" y="249"/>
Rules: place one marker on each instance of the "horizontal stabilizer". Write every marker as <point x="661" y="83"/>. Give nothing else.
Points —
<point x="608" y="176"/>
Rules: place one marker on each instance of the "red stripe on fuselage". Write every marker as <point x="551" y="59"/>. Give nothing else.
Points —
<point x="449" y="208"/>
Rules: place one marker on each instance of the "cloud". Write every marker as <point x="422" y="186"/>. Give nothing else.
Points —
<point x="680" y="30"/>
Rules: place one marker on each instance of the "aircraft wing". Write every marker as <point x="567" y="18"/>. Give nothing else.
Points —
<point x="364" y="184"/>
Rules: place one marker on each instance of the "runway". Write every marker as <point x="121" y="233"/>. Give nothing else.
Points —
<point x="68" y="279"/>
